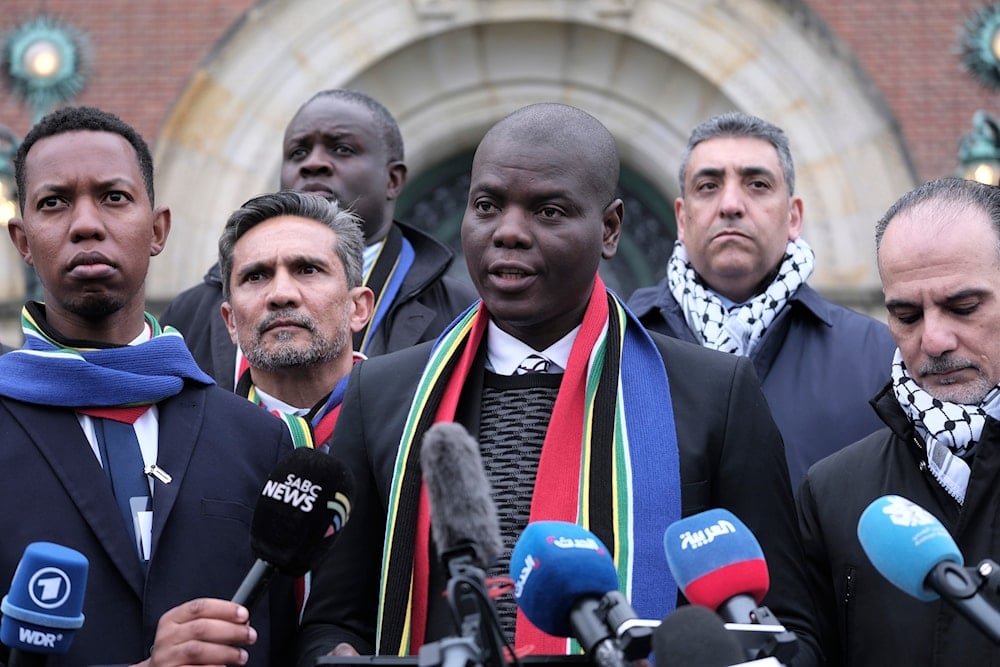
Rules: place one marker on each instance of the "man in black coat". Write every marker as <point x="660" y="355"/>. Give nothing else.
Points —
<point x="939" y="260"/>
<point x="658" y="428"/>
<point x="347" y="147"/>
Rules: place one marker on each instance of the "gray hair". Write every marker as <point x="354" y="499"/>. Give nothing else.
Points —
<point x="739" y="124"/>
<point x="956" y="191"/>
<point x="350" y="242"/>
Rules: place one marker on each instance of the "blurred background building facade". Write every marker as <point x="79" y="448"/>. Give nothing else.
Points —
<point x="874" y="98"/>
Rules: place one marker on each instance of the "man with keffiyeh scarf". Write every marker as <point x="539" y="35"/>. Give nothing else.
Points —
<point x="939" y="259"/>
<point x="736" y="282"/>
<point x="610" y="428"/>
<point x="114" y="442"/>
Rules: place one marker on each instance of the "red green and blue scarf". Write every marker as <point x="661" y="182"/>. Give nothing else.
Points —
<point x="611" y="466"/>
<point x="312" y="430"/>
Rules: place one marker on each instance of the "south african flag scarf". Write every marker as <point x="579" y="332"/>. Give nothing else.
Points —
<point x="49" y="371"/>
<point x="610" y="464"/>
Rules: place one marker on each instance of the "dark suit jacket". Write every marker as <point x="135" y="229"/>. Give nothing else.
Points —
<point x="427" y="302"/>
<point x="731" y="456"/>
<point x="218" y="448"/>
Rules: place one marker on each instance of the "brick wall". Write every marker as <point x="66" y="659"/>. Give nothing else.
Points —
<point x="909" y="48"/>
<point x="145" y="52"/>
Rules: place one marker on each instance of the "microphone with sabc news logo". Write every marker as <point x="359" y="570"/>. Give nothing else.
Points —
<point x="304" y="504"/>
<point x="44" y="607"/>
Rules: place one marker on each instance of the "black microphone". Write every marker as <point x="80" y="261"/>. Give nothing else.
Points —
<point x="304" y="504"/>
<point x="694" y="636"/>
<point x="466" y="535"/>
<point x="44" y="607"/>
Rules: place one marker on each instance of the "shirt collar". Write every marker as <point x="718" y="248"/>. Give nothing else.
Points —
<point x="505" y="352"/>
<point x="369" y="256"/>
<point x="273" y="404"/>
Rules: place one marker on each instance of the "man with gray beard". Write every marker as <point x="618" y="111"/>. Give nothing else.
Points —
<point x="939" y="260"/>
<point x="293" y="296"/>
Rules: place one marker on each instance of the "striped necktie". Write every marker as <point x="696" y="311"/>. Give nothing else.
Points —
<point x="124" y="467"/>
<point x="533" y="363"/>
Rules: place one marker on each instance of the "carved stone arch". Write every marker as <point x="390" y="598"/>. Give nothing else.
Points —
<point x="448" y="69"/>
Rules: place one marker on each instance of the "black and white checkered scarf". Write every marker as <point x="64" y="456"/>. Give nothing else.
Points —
<point x="950" y="430"/>
<point x="738" y="329"/>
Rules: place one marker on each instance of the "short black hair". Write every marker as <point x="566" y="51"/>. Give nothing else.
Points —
<point x="76" y="119"/>
<point x="572" y="130"/>
<point x="392" y="138"/>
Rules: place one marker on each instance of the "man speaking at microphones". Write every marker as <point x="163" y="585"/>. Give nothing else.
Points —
<point x="579" y="414"/>
<point x="939" y="261"/>
<point x="113" y="442"/>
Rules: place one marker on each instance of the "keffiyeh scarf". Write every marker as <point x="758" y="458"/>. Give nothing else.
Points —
<point x="736" y="330"/>
<point x="611" y="420"/>
<point x="950" y="430"/>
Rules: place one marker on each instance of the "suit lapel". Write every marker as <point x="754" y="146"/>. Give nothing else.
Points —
<point x="56" y="433"/>
<point x="180" y="419"/>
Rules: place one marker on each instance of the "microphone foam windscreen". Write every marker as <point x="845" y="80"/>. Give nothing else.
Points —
<point x="461" y="507"/>
<point x="693" y="636"/>
<point x="303" y="505"/>
<point x="44" y="607"/>
<point x="904" y="542"/>
<point x="553" y="565"/>
<point x="714" y="556"/>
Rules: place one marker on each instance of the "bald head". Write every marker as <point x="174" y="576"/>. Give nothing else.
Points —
<point x="579" y="136"/>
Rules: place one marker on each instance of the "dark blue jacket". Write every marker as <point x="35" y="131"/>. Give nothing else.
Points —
<point x="818" y="363"/>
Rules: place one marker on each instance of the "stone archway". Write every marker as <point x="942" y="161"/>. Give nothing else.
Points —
<point x="448" y="69"/>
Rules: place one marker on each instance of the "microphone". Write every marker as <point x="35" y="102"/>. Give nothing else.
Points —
<point x="694" y="636"/>
<point x="566" y="583"/>
<point x="466" y="535"/>
<point x="303" y="506"/>
<point x="915" y="552"/>
<point x="718" y="563"/>
<point x="463" y="516"/>
<point x="44" y="607"/>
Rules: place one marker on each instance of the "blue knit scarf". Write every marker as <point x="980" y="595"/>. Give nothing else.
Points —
<point x="48" y="371"/>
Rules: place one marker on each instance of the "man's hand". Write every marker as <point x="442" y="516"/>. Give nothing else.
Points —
<point x="344" y="649"/>
<point x="202" y="632"/>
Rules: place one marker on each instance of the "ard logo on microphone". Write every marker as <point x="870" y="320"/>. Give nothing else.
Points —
<point x="49" y="588"/>
<point x="295" y="491"/>
<point x="694" y="539"/>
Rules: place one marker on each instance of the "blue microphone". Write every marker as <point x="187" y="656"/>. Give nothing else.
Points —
<point x="719" y="564"/>
<point x="910" y="548"/>
<point x="566" y="583"/>
<point x="44" y="607"/>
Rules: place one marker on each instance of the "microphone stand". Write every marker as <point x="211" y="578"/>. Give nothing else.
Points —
<point x="765" y="636"/>
<point x="480" y="642"/>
